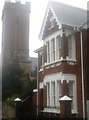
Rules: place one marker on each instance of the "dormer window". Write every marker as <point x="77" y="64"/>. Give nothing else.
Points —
<point x="51" y="22"/>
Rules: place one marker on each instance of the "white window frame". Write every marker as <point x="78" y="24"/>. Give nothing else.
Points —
<point x="48" y="94"/>
<point x="48" y="51"/>
<point x="74" y="99"/>
<point x="53" y="96"/>
<point x="58" y="58"/>
<point x="71" y="47"/>
<point x="55" y="78"/>
<point x="58" y="47"/>
<point x="42" y="60"/>
<point x="53" y="50"/>
<point x="59" y="92"/>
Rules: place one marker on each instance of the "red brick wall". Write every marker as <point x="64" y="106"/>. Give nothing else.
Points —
<point x="78" y="74"/>
<point x="65" y="88"/>
<point x="73" y="69"/>
<point x="41" y="98"/>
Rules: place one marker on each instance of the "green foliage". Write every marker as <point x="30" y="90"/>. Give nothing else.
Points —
<point x="16" y="82"/>
<point x="11" y="83"/>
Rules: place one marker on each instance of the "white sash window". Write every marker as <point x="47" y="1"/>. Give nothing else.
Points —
<point x="48" y="94"/>
<point x="53" y="49"/>
<point x="48" y="52"/>
<point x="58" y="44"/>
<point x="71" y="47"/>
<point x="53" y="94"/>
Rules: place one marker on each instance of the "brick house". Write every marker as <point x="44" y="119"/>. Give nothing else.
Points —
<point x="63" y="60"/>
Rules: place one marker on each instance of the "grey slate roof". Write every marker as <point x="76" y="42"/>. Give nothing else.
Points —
<point x="69" y="15"/>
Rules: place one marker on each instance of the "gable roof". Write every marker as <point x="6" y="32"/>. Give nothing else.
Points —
<point x="69" y="15"/>
<point x="65" y="14"/>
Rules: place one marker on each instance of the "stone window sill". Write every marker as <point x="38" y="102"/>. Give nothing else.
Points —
<point x="57" y="63"/>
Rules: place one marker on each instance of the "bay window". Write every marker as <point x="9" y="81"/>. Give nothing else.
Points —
<point x="55" y="91"/>
<point x="54" y="48"/>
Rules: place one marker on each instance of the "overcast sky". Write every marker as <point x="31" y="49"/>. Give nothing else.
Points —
<point x="38" y="8"/>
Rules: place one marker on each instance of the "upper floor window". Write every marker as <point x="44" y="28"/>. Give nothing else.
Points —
<point x="53" y="49"/>
<point x="41" y="58"/>
<point x="48" y="52"/>
<point x="71" y="47"/>
<point x="58" y="44"/>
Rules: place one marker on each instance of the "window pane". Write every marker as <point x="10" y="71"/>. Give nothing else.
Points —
<point x="53" y="49"/>
<point x="53" y="93"/>
<point x="59" y="92"/>
<point x="53" y="44"/>
<point x="48" y="94"/>
<point x="48" y="52"/>
<point x="58" y="39"/>
<point x="70" y="47"/>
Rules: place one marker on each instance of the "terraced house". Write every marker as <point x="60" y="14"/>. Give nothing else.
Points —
<point x="63" y="60"/>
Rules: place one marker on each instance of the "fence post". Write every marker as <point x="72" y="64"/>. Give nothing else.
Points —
<point x="17" y="103"/>
<point x="65" y="107"/>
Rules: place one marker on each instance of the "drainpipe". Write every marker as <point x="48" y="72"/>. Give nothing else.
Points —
<point x="37" y="88"/>
<point x="82" y="72"/>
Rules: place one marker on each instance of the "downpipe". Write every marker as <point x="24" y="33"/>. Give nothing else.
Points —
<point x="82" y="73"/>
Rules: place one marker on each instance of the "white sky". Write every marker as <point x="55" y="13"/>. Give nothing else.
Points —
<point x="38" y="8"/>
